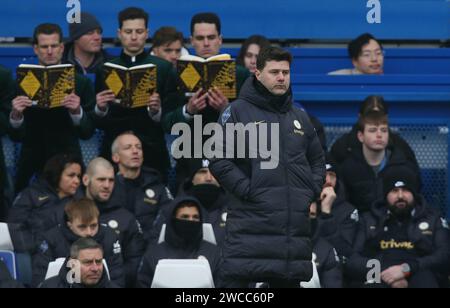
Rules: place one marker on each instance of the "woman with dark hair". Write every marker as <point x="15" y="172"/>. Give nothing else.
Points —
<point x="347" y="143"/>
<point x="37" y="207"/>
<point x="250" y="50"/>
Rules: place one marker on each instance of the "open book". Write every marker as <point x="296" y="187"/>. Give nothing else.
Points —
<point x="46" y="86"/>
<point x="132" y="86"/>
<point x="218" y="71"/>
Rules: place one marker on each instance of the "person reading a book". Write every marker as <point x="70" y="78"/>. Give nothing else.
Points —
<point x="168" y="44"/>
<point x="113" y="118"/>
<point x="46" y="132"/>
<point x="84" y="48"/>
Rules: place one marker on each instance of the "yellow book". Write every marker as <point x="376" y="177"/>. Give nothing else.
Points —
<point x="46" y="86"/>
<point x="215" y="72"/>
<point x="132" y="86"/>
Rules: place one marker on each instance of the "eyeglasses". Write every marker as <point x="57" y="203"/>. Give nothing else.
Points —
<point x="369" y="54"/>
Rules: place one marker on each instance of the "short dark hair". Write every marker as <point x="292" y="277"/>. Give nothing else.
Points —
<point x="373" y="118"/>
<point x="83" y="244"/>
<point x="272" y="54"/>
<point x="47" y="29"/>
<point x="259" y="40"/>
<point x="132" y="13"/>
<point x="355" y="46"/>
<point x="371" y="103"/>
<point x="55" y="167"/>
<point x="208" y="18"/>
<point x="166" y="35"/>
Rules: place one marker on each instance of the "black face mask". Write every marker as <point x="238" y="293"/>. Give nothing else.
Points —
<point x="207" y="194"/>
<point x="190" y="231"/>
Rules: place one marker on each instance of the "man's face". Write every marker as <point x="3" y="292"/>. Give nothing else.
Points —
<point x="331" y="179"/>
<point x="206" y="40"/>
<point x="100" y="185"/>
<point x="170" y="52"/>
<point x="133" y="36"/>
<point x="188" y="213"/>
<point x="371" y="59"/>
<point x="91" y="264"/>
<point x="400" y="201"/>
<point x="83" y="229"/>
<point x="129" y="154"/>
<point x="375" y="137"/>
<point x="49" y="49"/>
<point x="204" y="176"/>
<point x="275" y="76"/>
<point x="90" y="42"/>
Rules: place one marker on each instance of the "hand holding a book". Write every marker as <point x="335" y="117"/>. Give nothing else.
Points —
<point x="154" y="104"/>
<point x="19" y="104"/>
<point x="217" y="100"/>
<point x="197" y="102"/>
<point x="103" y="98"/>
<point x="73" y="103"/>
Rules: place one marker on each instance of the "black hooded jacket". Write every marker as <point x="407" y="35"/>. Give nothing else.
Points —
<point x="127" y="228"/>
<point x="175" y="247"/>
<point x="268" y="234"/>
<point x="56" y="243"/>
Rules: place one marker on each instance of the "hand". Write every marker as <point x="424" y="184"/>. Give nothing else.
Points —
<point x="103" y="98"/>
<point x="197" y="102"/>
<point x="393" y="274"/>
<point x="400" y="284"/>
<point x="327" y="197"/>
<point x="19" y="104"/>
<point x="154" y="104"/>
<point x="72" y="103"/>
<point x="217" y="100"/>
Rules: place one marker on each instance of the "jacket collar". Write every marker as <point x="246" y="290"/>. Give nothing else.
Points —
<point x="132" y="61"/>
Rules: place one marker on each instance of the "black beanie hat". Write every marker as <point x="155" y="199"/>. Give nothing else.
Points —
<point x="195" y="165"/>
<point x="400" y="177"/>
<point x="87" y="23"/>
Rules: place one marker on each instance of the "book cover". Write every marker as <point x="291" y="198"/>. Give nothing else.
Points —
<point x="46" y="86"/>
<point x="217" y="71"/>
<point x="132" y="86"/>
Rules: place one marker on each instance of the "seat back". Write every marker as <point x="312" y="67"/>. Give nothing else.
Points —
<point x="54" y="268"/>
<point x="5" y="238"/>
<point x="183" y="273"/>
<point x="314" y="283"/>
<point x="208" y="234"/>
<point x="9" y="259"/>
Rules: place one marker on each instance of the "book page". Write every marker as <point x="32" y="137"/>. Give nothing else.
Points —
<point x="221" y="57"/>
<point x="120" y="67"/>
<point x="191" y="58"/>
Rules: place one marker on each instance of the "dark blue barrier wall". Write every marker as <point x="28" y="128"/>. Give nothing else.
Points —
<point x="283" y="19"/>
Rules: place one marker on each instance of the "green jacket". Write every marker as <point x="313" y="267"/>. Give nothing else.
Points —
<point x="173" y="110"/>
<point x="45" y="133"/>
<point x="119" y="120"/>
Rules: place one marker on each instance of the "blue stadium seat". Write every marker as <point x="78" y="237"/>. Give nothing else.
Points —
<point x="9" y="258"/>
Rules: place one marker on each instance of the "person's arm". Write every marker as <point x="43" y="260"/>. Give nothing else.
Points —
<point x="356" y="266"/>
<point x="146" y="270"/>
<point x="115" y="262"/>
<point x="331" y="275"/>
<point x="226" y="171"/>
<point x="43" y="256"/>
<point x="133" y="245"/>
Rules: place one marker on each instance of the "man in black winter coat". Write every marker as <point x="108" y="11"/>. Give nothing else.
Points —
<point x="80" y="221"/>
<point x="268" y="231"/>
<point x="141" y="188"/>
<point x="363" y="169"/>
<point x="99" y="182"/>
<point x="337" y="220"/>
<point x="83" y="269"/>
<point x="183" y="240"/>
<point x="407" y="239"/>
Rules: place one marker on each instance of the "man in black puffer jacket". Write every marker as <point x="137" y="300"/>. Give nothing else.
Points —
<point x="268" y="231"/>
<point x="408" y="239"/>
